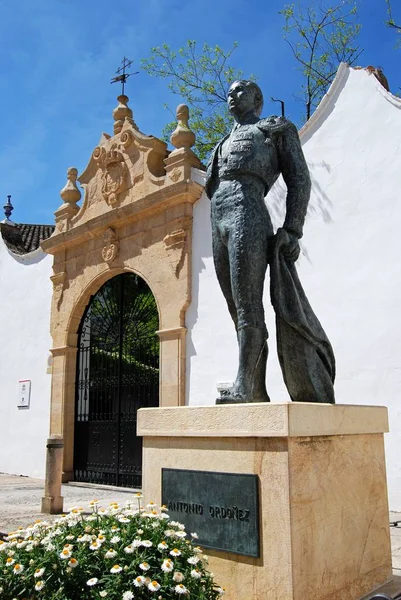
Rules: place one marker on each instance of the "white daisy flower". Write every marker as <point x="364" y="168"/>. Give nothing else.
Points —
<point x="175" y="552"/>
<point x="129" y="549"/>
<point x="169" y="532"/>
<point x="180" y="534"/>
<point x="65" y="553"/>
<point x="194" y="536"/>
<point x="115" y="539"/>
<point x="138" y="495"/>
<point x="180" y="589"/>
<point x="154" y="586"/>
<point x="123" y="519"/>
<point x="68" y="546"/>
<point x="92" y="581"/>
<point x="110" y="553"/>
<point x="178" y="576"/>
<point x="147" y="543"/>
<point x="140" y="531"/>
<point x="116" y="569"/>
<point x="18" y="568"/>
<point x="220" y="591"/>
<point x="103" y="594"/>
<point x="73" y="563"/>
<point x="144" y="566"/>
<point x="151" y="505"/>
<point x="39" y="585"/>
<point x="139" y="581"/>
<point x="167" y="565"/>
<point x="196" y="574"/>
<point x="162" y="546"/>
<point x="95" y="545"/>
<point x="193" y="560"/>
<point x="136" y="543"/>
<point x="128" y="595"/>
<point x="39" y="572"/>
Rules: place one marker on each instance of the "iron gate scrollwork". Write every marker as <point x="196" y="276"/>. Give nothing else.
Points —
<point x="117" y="373"/>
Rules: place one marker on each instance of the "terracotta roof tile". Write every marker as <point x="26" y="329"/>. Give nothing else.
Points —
<point x="23" y="238"/>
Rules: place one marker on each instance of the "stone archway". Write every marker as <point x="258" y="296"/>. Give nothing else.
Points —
<point x="136" y="216"/>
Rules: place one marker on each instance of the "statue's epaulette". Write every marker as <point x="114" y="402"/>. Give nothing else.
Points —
<point x="274" y="124"/>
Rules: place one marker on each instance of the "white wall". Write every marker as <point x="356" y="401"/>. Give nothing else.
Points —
<point x="349" y="265"/>
<point x="25" y="299"/>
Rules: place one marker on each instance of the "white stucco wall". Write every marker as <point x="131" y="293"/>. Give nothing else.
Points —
<point x="25" y="299"/>
<point x="349" y="265"/>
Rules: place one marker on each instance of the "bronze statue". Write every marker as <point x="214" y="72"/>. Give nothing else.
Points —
<point x="242" y="169"/>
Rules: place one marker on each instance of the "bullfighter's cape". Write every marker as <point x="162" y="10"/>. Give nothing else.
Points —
<point x="305" y="353"/>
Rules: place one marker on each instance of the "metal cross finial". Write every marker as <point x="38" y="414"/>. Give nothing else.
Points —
<point x="8" y="207"/>
<point x="121" y="74"/>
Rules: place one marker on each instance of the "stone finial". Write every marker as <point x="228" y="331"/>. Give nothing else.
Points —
<point x="122" y="112"/>
<point x="8" y="208"/>
<point x="182" y="136"/>
<point x="70" y="192"/>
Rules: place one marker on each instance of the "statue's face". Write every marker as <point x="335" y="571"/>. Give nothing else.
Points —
<point x="240" y="99"/>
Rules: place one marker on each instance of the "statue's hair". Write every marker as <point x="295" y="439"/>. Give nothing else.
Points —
<point x="257" y="94"/>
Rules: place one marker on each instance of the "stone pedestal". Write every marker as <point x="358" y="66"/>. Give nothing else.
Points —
<point x="324" y="522"/>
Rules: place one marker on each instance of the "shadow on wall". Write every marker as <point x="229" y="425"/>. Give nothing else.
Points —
<point x="320" y="203"/>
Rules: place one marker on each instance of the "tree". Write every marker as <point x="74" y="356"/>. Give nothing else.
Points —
<point x="201" y="78"/>
<point x="320" y="39"/>
<point x="391" y="22"/>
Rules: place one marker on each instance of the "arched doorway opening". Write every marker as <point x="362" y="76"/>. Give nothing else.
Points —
<point x="117" y="373"/>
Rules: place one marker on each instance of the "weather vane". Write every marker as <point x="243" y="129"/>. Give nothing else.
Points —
<point x="121" y="74"/>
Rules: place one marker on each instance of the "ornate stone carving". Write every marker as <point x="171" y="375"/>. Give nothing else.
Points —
<point x="175" y="175"/>
<point x="111" y="248"/>
<point x="114" y="172"/>
<point x="58" y="281"/>
<point x="126" y="138"/>
<point x="174" y="244"/>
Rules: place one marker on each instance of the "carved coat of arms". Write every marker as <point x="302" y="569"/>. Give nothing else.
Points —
<point x="111" y="248"/>
<point x="114" y="173"/>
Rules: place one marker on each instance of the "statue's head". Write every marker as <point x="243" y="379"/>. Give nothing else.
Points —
<point x="244" y="97"/>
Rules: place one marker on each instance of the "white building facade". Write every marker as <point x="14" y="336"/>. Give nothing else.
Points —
<point x="25" y="299"/>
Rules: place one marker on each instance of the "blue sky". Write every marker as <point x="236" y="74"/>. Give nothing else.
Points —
<point x="58" y="58"/>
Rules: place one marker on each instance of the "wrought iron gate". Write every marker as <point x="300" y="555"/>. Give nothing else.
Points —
<point x="117" y="373"/>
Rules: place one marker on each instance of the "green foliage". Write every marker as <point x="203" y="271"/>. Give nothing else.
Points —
<point x="320" y="38"/>
<point x="391" y="22"/>
<point x="201" y="78"/>
<point x="115" y="553"/>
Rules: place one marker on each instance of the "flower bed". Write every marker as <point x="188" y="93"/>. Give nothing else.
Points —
<point x="118" y="553"/>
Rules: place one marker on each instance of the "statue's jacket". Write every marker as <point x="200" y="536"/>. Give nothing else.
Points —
<point x="264" y="149"/>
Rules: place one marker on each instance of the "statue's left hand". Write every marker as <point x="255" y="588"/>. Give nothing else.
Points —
<point x="291" y="248"/>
